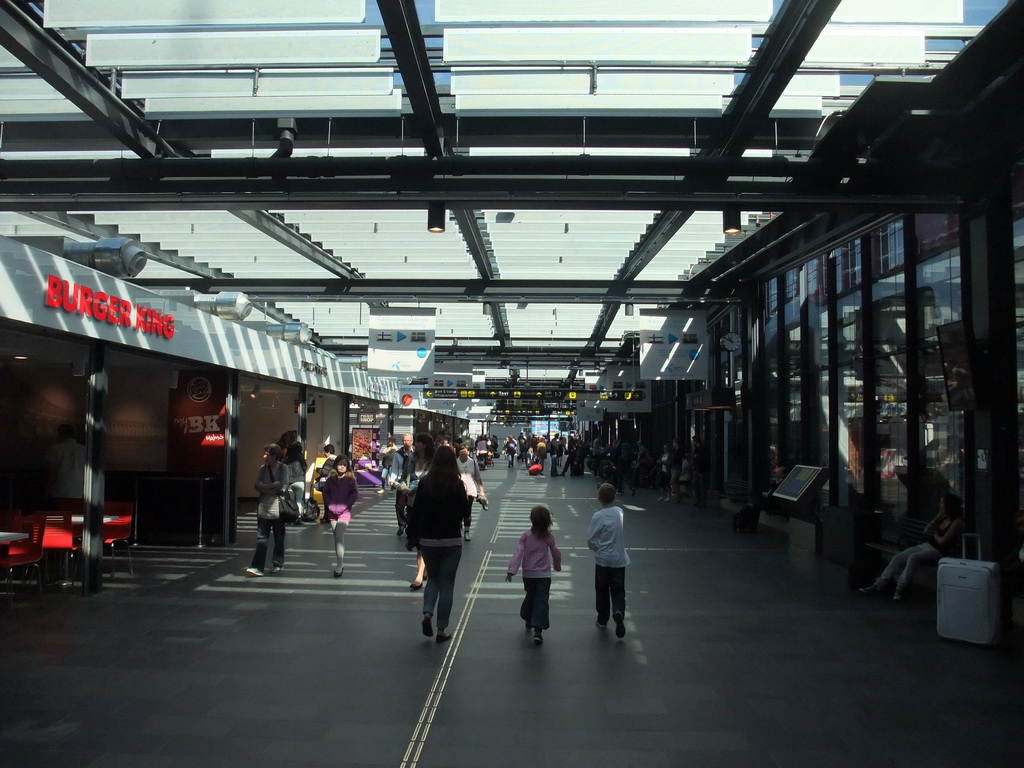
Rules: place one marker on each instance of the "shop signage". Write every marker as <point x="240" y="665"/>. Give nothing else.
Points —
<point x="100" y="306"/>
<point x="313" y="367"/>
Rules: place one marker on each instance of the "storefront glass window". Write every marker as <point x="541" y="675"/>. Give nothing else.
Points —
<point x="1018" y="257"/>
<point x="771" y="357"/>
<point x="850" y="435"/>
<point x="941" y="457"/>
<point x="891" y="431"/>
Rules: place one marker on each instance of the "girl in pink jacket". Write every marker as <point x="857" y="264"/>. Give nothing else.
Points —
<point x="535" y="553"/>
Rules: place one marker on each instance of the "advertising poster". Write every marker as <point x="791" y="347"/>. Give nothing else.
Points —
<point x="195" y="432"/>
<point x="365" y="456"/>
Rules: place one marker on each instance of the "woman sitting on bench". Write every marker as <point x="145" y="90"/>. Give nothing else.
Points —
<point x="942" y="533"/>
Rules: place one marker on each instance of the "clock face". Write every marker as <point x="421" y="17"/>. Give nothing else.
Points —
<point x="731" y="342"/>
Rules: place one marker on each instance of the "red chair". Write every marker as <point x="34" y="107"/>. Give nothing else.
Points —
<point x="25" y="553"/>
<point x="119" y="530"/>
<point x="61" y="536"/>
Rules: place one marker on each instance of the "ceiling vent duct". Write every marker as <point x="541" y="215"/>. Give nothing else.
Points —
<point x="293" y="333"/>
<point x="227" y="305"/>
<point x="116" y="256"/>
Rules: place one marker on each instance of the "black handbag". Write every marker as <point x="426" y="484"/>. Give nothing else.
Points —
<point x="287" y="509"/>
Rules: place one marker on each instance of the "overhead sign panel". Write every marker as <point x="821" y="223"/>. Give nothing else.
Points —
<point x="401" y="341"/>
<point x="673" y="345"/>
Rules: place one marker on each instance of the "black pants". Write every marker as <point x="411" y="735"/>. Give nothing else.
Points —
<point x="467" y="512"/>
<point x="610" y="589"/>
<point x="401" y="511"/>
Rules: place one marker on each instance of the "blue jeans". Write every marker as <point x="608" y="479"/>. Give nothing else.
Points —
<point x="263" y="529"/>
<point x="442" y="565"/>
<point x="610" y="587"/>
<point x="534" y="610"/>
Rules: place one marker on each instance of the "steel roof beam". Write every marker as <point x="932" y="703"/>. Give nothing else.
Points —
<point x="794" y="30"/>
<point x="295" y="240"/>
<point x="570" y="291"/>
<point x="403" y="28"/>
<point x="62" y="70"/>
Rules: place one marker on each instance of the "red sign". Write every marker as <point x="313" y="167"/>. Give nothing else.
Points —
<point x="195" y="434"/>
<point x="82" y="300"/>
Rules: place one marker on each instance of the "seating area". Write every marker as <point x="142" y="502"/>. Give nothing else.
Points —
<point x="53" y="540"/>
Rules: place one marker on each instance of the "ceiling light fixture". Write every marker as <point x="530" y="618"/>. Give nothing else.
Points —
<point x="435" y="217"/>
<point x="731" y="221"/>
<point x="629" y="310"/>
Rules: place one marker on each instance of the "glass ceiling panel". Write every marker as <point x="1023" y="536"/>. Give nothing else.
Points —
<point x="279" y="48"/>
<point x="471" y="11"/>
<point x="172" y="13"/>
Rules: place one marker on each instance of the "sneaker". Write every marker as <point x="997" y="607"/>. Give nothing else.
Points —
<point x="538" y="639"/>
<point x="401" y="532"/>
<point x="465" y="535"/>
<point x="253" y="572"/>
<point x="870" y="590"/>
<point x="277" y="569"/>
<point x="898" y="594"/>
<point x="601" y="625"/>
<point x="484" y="504"/>
<point x="620" y="627"/>
<point x="380" y="490"/>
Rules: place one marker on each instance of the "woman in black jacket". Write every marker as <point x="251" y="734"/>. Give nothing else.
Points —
<point x="436" y="522"/>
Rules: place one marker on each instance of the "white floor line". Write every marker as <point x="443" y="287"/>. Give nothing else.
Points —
<point x="430" y="706"/>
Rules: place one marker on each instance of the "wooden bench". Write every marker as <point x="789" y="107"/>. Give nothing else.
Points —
<point x="909" y="533"/>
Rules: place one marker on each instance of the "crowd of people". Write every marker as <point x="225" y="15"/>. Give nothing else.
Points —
<point x="437" y="485"/>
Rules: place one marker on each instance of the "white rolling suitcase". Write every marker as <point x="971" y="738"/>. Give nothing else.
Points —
<point x="968" y="600"/>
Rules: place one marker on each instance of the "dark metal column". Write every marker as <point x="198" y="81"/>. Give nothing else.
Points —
<point x="989" y="300"/>
<point x="390" y="421"/>
<point x="344" y="445"/>
<point x="231" y="408"/>
<point x="303" y="421"/>
<point x="95" y="471"/>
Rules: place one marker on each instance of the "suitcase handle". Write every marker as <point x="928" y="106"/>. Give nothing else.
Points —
<point x="964" y="537"/>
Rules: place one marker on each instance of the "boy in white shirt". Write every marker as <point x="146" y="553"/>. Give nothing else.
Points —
<point x="610" y="560"/>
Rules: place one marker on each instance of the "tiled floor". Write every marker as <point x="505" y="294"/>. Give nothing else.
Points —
<point x="741" y="651"/>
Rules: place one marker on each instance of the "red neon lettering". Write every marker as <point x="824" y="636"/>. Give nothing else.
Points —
<point x="168" y="326"/>
<point x="85" y="301"/>
<point x="126" y="312"/>
<point x="141" y="322"/>
<point x="99" y="306"/>
<point x="70" y="296"/>
<point x="54" y="286"/>
<point x="156" y="323"/>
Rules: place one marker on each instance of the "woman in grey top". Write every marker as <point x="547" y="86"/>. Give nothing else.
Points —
<point x="270" y="480"/>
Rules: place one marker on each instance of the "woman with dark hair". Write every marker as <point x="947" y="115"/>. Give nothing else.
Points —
<point x="942" y="533"/>
<point x="271" y="479"/>
<point x="340" y="494"/>
<point x="296" y="464"/>
<point x="423" y="454"/>
<point x="435" y="521"/>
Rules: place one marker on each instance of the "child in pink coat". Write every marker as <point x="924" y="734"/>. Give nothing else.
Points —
<point x="536" y="552"/>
